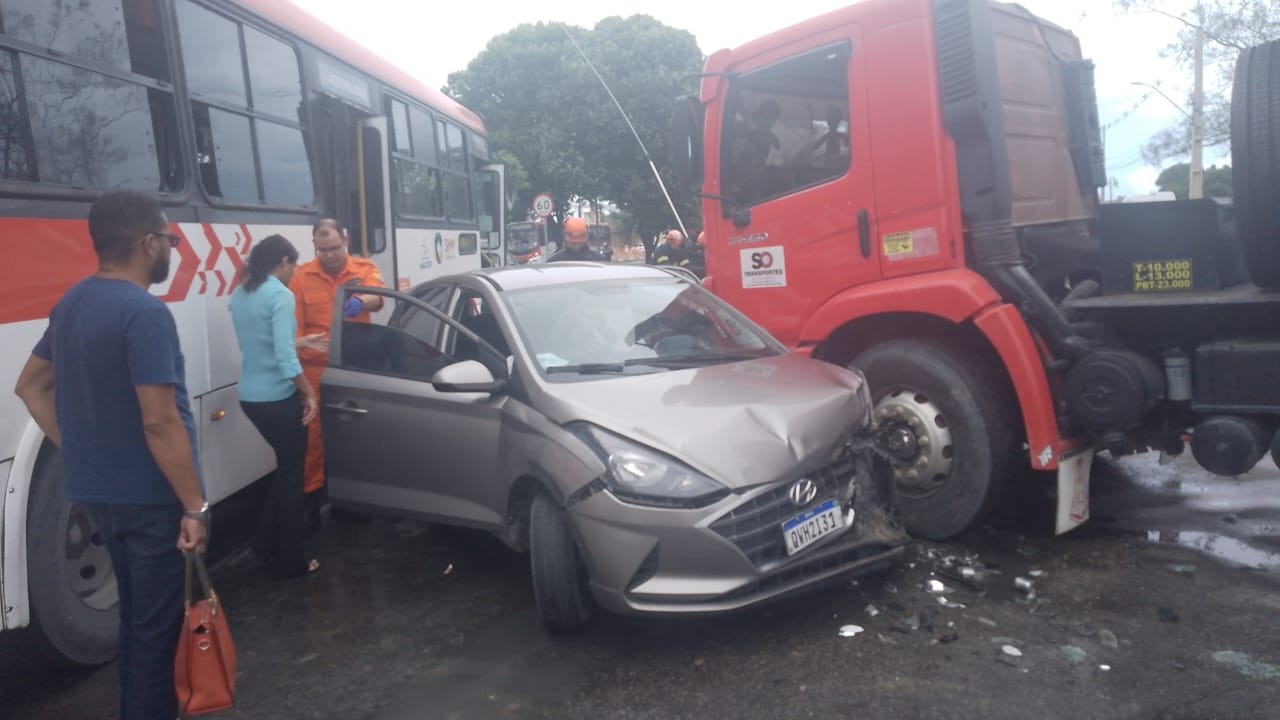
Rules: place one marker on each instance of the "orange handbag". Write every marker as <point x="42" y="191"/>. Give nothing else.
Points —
<point x="205" y="667"/>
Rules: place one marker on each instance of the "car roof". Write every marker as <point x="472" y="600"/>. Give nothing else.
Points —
<point x="559" y="273"/>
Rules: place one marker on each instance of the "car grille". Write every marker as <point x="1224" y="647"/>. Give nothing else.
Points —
<point x="755" y="526"/>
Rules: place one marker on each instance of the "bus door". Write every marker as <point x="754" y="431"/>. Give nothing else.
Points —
<point x="372" y="225"/>
<point x="491" y="213"/>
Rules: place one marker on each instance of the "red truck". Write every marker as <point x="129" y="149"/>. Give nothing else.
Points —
<point x="911" y="187"/>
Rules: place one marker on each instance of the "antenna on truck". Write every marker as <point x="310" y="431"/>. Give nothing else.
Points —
<point x="643" y="149"/>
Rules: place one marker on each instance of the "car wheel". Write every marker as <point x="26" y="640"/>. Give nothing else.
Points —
<point x="73" y="592"/>
<point x="1255" y="154"/>
<point x="559" y="575"/>
<point x="950" y="438"/>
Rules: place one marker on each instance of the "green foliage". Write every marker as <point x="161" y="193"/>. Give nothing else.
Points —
<point x="1229" y="26"/>
<point x="517" y="177"/>
<point x="542" y="104"/>
<point x="1177" y="179"/>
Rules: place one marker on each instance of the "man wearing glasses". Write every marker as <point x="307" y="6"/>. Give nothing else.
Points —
<point x="107" y="385"/>
<point x="315" y="287"/>
<point x="575" y="243"/>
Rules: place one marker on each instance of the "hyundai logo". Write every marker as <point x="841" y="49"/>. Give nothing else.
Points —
<point x="803" y="492"/>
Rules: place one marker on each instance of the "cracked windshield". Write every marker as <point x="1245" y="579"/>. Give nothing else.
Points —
<point x="643" y="325"/>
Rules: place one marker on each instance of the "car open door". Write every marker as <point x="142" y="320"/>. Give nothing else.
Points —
<point x="396" y="442"/>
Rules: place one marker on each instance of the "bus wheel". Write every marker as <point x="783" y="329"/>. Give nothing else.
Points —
<point x="950" y="439"/>
<point x="559" y="575"/>
<point x="72" y="585"/>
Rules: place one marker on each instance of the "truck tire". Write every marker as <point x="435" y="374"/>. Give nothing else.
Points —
<point x="952" y="439"/>
<point x="559" y="574"/>
<point x="72" y="586"/>
<point x="1255" y="160"/>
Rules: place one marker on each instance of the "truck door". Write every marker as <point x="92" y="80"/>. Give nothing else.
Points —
<point x="795" y="176"/>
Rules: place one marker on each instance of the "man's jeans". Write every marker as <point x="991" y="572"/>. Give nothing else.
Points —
<point x="143" y="543"/>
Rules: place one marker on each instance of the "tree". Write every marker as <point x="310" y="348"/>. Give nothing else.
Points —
<point x="517" y="180"/>
<point x="1229" y="26"/>
<point x="542" y="104"/>
<point x="1177" y="179"/>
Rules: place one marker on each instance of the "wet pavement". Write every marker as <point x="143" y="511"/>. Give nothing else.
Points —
<point x="1163" y="606"/>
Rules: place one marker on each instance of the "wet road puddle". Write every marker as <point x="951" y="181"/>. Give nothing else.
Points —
<point x="1236" y="552"/>
<point x="1236" y="520"/>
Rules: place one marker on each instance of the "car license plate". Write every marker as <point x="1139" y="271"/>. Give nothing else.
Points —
<point x="811" y="526"/>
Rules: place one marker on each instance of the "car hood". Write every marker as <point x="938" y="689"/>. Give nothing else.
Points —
<point x="742" y="423"/>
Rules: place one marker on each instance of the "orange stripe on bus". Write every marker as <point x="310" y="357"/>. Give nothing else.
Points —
<point x="42" y="259"/>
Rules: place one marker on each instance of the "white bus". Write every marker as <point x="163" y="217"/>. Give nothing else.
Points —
<point x="244" y="119"/>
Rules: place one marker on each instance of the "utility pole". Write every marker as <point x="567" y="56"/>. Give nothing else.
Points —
<point x="1197" y="113"/>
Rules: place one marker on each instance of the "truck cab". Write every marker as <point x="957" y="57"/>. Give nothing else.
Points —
<point x="911" y="187"/>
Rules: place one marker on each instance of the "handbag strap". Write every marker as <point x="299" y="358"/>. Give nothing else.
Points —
<point x="195" y="559"/>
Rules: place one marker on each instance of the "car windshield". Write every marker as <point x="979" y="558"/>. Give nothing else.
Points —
<point x="632" y="327"/>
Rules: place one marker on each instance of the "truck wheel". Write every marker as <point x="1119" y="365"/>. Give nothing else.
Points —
<point x="1255" y="160"/>
<point x="559" y="575"/>
<point x="951" y="439"/>
<point x="72" y="586"/>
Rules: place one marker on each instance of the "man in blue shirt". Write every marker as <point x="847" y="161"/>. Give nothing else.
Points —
<point x="106" y="384"/>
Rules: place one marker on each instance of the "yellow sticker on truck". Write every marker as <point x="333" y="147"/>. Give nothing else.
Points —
<point x="910" y="244"/>
<point x="898" y="243"/>
<point x="1162" y="275"/>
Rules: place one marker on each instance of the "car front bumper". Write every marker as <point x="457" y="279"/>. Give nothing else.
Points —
<point x="731" y="554"/>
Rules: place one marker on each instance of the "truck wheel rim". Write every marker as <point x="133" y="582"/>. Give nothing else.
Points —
<point x="87" y="562"/>
<point x="915" y="433"/>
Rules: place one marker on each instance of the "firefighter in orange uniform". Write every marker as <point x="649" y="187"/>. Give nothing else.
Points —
<point x="315" y="286"/>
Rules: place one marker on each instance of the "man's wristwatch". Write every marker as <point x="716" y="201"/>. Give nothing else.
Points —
<point x="200" y="514"/>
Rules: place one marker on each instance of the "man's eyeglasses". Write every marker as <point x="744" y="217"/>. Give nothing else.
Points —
<point x="173" y="239"/>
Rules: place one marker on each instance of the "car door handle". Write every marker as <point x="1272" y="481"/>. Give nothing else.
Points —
<point x="864" y="233"/>
<point x="347" y="408"/>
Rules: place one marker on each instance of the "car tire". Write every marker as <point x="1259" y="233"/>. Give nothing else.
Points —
<point x="926" y="388"/>
<point x="559" y="574"/>
<point x="72" y="586"/>
<point x="1255" y="160"/>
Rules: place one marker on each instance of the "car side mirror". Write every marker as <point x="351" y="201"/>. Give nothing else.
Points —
<point x="468" y="376"/>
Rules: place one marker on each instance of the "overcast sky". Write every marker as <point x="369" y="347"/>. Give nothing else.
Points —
<point x="433" y="39"/>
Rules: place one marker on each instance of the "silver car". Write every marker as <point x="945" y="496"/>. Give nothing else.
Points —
<point x="652" y="449"/>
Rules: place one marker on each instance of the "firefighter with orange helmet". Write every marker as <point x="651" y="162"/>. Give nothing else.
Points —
<point x="674" y="251"/>
<point x="575" y="243"/>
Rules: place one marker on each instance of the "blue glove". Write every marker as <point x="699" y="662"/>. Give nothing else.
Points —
<point x="353" y="307"/>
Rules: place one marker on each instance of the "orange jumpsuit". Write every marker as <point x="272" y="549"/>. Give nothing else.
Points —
<point x="314" y="290"/>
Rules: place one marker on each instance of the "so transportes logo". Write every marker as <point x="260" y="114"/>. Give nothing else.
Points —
<point x="763" y="267"/>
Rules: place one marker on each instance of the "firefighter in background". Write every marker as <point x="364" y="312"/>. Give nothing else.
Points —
<point x="315" y="287"/>
<point x="575" y="243"/>
<point x="673" y="251"/>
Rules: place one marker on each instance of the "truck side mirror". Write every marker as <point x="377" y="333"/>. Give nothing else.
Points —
<point x="686" y="139"/>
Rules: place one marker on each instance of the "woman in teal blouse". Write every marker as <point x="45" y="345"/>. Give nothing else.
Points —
<point x="276" y="397"/>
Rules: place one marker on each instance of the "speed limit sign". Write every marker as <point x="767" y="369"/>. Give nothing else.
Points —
<point x="543" y="205"/>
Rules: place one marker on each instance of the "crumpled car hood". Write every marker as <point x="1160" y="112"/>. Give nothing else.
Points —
<point x="743" y="423"/>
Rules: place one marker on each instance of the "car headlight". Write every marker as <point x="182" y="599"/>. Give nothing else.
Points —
<point x="643" y="476"/>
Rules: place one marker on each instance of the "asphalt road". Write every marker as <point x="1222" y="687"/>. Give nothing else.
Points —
<point x="1164" y="606"/>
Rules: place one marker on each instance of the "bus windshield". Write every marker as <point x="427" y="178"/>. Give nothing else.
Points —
<point x="522" y="239"/>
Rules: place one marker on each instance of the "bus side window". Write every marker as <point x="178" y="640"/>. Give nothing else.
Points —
<point x="457" y="185"/>
<point x="68" y="125"/>
<point x="418" y="190"/>
<point x="250" y="147"/>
